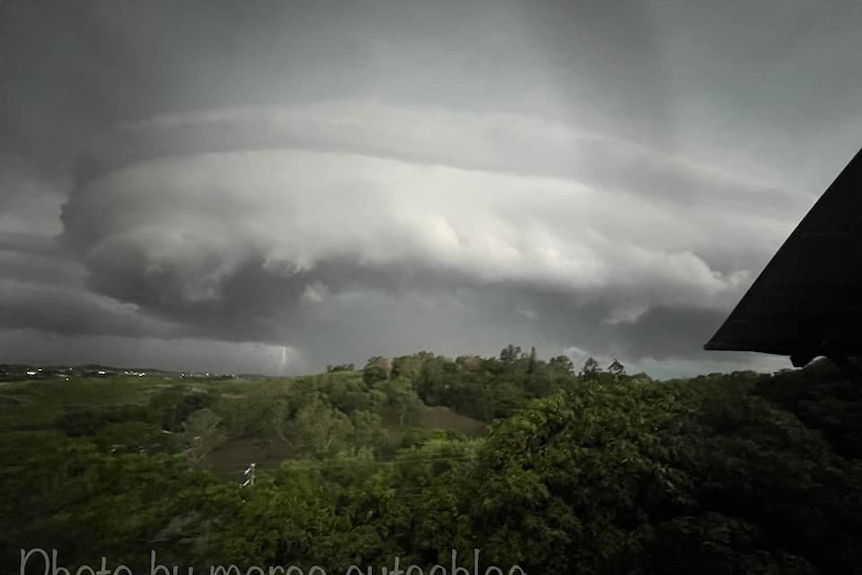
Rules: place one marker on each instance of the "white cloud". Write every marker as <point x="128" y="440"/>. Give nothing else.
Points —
<point x="398" y="198"/>
<point x="659" y="179"/>
<point x="299" y="208"/>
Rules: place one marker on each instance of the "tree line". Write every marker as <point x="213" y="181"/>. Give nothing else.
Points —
<point x="594" y="472"/>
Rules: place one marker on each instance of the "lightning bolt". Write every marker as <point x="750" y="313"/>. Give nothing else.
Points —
<point x="283" y="357"/>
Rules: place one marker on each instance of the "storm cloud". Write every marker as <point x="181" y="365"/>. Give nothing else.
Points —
<point x="289" y="185"/>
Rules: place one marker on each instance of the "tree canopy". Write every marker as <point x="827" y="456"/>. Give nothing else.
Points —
<point x="519" y="457"/>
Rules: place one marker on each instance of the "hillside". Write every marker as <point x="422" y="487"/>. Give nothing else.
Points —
<point x="535" y="465"/>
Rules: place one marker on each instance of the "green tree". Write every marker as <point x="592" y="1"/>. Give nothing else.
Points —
<point x="401" y="399"/>
<point x="407" y="366"/>
<point x="510" y="353"/>
<point x="562" y="365"/>
<point x="202" y="434"/>
<point x="590" y="369"/>
<point x="533" y="361"/>
<point x="376" y="370"/>
<point x="616" y="370"/>
<point x="319" y="429"/>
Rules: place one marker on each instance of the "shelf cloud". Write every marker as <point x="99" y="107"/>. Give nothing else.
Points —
<point x="403" y="178"/>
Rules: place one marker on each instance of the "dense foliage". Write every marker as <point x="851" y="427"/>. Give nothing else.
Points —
<point x="524" y="459"/>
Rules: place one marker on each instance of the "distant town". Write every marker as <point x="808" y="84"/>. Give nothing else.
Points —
<point x="15" y="372"/>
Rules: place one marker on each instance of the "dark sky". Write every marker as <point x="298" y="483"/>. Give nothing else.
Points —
<point x="276" y="185"/>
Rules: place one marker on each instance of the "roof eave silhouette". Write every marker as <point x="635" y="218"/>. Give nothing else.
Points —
<point x="807" y="301"/>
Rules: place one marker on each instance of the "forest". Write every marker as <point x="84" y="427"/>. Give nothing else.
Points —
<point x="528" y="461"/>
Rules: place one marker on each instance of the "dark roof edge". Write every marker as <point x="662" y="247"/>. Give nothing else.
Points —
<point x="854" y="164"/>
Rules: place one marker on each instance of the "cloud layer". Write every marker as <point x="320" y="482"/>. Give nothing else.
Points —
<point x="292" y="184"/>
<point x="287" y="224"/>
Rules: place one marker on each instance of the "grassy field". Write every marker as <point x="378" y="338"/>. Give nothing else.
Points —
<point x="37" y="404"/>
<point x="232" y="458"/>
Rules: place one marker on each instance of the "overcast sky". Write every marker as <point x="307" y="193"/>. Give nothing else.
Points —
<point x="272" y="186"/>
